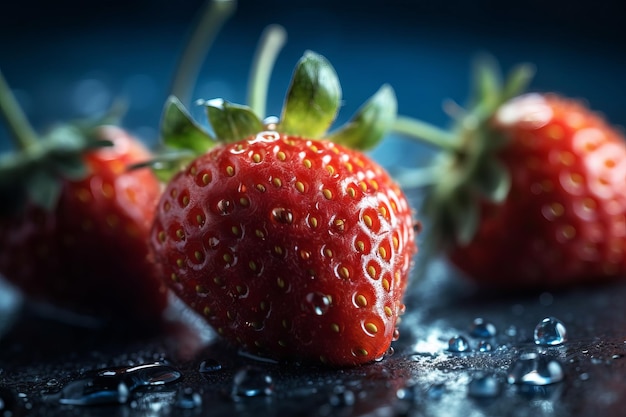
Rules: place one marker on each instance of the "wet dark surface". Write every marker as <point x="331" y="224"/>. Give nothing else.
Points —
<point x="43" y="360"/>
<point x="67" y="61"/>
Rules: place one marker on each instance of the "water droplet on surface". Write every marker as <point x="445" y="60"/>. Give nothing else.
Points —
<point x="535" y="369"/>
<point x="481" y="328"/>
<point x="317" y="303"/>
<point x="342" y="397"/>
<point x="209" y="366"/>
<point x="550" y="332"/>
<point x="188" y="399"/>
<point x="458" y="344"/>
<point x="114" y="385"/>
<point x="484" y="346"/>
<point x="252" y="382"/>
<point x="484" y="386"/>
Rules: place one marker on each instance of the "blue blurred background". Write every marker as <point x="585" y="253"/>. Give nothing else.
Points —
<point x="69" y="59"/>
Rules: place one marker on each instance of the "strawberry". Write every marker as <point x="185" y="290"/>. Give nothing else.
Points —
<point x="75" y="222"/>
<point x="534" y="193"/>
<point x="290" y="245"/>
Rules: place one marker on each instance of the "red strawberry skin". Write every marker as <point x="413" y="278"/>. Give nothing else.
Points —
<point x="290" y="248"/>
<point x="91" y="253"/>
<point x="563" y="221"/>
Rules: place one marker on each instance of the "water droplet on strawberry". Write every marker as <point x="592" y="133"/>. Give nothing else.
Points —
<point x="532" y="368"/>
<point x="282" y="215"/>
<point x="317" y="303"/>
<point x="252" y="382"/>
<point x="458" y="344"/>
<point x="550" y="332"/>
<point x="484" y="346"/>
<point x="224" y="207"/>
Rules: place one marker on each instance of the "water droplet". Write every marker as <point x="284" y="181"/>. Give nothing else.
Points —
<point x="458" y="344"/>
<point x="114" y="385"/>
<point x="535" y="369"/>
<point x="209" y="366"/>
<point x="252" y="382"/>
<point x="282" y="215"/>
<point x="224" y="207"/>
<point x="317" y="303"/>
<point x="550" y="332"/>
<point x="436" y="391"/>
<point x="342" y="397"/>
<point x="484" y="346"/>
<point x="484" y="386"/>
<point x="481" y="328"/>
<point x="188" y="399"/>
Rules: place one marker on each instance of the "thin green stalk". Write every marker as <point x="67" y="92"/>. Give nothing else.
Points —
<point x="272" y="41"/>
<point x="17" y="123"/>
<point x="425" y="133"/>
<point x="212" y="19"/>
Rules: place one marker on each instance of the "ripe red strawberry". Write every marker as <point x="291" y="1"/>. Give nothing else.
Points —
<point x="75" y="223"/>
<point x="290" y="247"/>
<point x="543" y="178"/>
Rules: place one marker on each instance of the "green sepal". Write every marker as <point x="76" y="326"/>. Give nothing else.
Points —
<point x="180" y="131"/>
<point x="371" y="122"/>
<point x="43" y="189"/>
<point x="313" y="98"/>
<point x="232" y="122"/>
<point x="167" y="163"/>
<point x="493" y="180"/>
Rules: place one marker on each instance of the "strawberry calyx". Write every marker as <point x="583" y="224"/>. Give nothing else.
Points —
<point x="311" y="105"/>
<point x="466" y="169"/>
<point x="33" y="171"/>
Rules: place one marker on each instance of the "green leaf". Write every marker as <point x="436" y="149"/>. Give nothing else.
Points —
<point x="493" y="180"/>
<point x="517" y="81"/>
<point x="313" y="98"/>
<point x="232" y="122"/>
<point x="166" y="163"/>
<point x="180" y="131"/>
<point x="371" y="122"/>
<point x="43" y="188"/>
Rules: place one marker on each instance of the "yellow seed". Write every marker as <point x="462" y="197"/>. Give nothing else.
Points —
<point x="207" y="311"/>
<point x="363" y="186"/>
<point x="174" y="192"/>
<point x="280" y="282"/>
<point x="349" y="167"/>
<point x="206" y="178"/>
<point x="383" y="211"/>
<point x="174" y="277"/>
<point x="327" y="193"/>
<point x="185" y="201"/>
<point x="328" y="252"/>
<point x="396" y="242"/>
<point x="228" y="258"/>
<point x="344" y="272"/>
<point x="351" y="192"/>
<point x="299" y="186"/>
<point x="218" y="281"/>
<point x="313" y="148"/>
<point x="259" y="233"/>
<point x="167" y="206"/>
<point x="360" y="352"/>
<point x="161" y="236"/>
<point x="107" y="190"/>
<point x="367" y="220"/>
<point x="307" y="163"/>
<point x="313" y="222"/>
<point x="230" y="170"/>
<point x="281" y="156"/>
<point x="386" y="284"/>
<point x="198" y="255"/>
<point x="388" y="311"/>
<point x="200" y="289"/>
<point x="261" y="187"/>
<point x="256" y="158"/>
<point x="244" y="201"/>
<point x="235" y="230"/>
<point x="330" y="169"/>
<point x="180" y="234"/>
<point x="277" y="182"/>
<point x="371" y="328"/>
<point x="371" y="271"/>
<point x="568" y="232"/>
<point x="278" y="250"/>
<point x="252" y="265"/>
<point x="180" y="262"/>
<point x="374" y="184"/>
<point x="360" y="246"/>
<point x="334" y="327"/>
<point x="383" y="252"/>
<point x="361" y="301"/>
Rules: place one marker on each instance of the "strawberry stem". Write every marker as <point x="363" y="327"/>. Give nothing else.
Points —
<point x="272" y="41"/>
<point x="17" y="123"/>
<point x="426" y="133"/>
<point x="217" y="12"/>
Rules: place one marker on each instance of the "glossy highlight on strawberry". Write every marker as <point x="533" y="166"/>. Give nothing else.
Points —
<point x="289" y="247"/>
